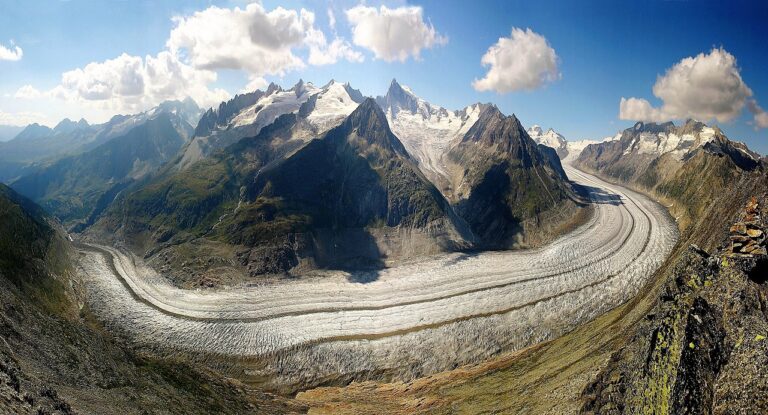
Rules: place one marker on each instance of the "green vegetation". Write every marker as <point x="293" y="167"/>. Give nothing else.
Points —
<point x="77" y="187"/>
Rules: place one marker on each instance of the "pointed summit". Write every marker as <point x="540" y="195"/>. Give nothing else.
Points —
<point x="299" y="88"/>
<point x="399" y="98"/>
<point x="272" y="88"/>
<point x="64" y="126"/>
<point x="494" y="128"/>
<point x="370" y="124"/>
<point x="33" y="130"/>
<point x="368" y="115"/>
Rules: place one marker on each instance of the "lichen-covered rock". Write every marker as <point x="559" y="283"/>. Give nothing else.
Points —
<point x="702" y="348"/>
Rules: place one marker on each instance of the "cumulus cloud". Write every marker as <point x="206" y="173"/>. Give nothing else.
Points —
<point x="10" y="53"/>
<point x="132" y="83"/>
<point x="27" y="92"/>
<point x="255" y="40"/>
<point x="706" y="87"/>
<point x="523" y="61"/>
<point x="393" y="34"/>
<point x="21" y="118"/>
<point x="251" y="39"/>
<point x="323" y="53"/>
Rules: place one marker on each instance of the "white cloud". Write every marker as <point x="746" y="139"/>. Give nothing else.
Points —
<point x="639" y="109"/>
<point x="251" y="39"/>
<point x="254" y="83"/>
<point x="331" y="19"/>
<point x="393" y="34"/>
<point x="761" y="117"/>
<point x="323" y="53"/>
<point x="27" y="92"/>
<point x="523" y="61"/>
<point x="705" y="87"/>
<point x="131" y="83"/>
<point x="10" y="53"/>
<point x="21" y="118"/>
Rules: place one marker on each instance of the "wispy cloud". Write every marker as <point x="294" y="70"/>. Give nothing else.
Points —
<point x="11" y="52"/>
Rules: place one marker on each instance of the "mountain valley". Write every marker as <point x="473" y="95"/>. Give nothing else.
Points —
<point x="290" y="227"/>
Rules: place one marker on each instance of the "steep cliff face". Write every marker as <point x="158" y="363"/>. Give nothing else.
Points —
<point x="700" y="346"/>
<point x="504" y="184"/>
<point x="357" y="193"/>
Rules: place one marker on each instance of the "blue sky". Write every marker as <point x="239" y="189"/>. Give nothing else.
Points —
<point x="605" y="50"/>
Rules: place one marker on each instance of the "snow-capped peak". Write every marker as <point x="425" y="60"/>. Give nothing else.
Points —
<point x="426" y="130"/>
<point x="551" y="138"/>
<point x="659" y="139"/>
<point x="320" y="109"/>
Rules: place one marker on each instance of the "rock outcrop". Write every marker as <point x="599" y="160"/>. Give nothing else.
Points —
<point x="702" y="349"/>
<point x="748" y="236"/>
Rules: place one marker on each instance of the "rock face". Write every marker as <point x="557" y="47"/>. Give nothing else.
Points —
<point x="486" y="165"/>
<point x="246" y="115"/>
<point x="703" y="347"/>
<point x="748" y="236"/>
<point x="353" y="187"/>
<point x="672" y="163"/>
<point x="501" y="179"/>
<point x="426" y="130"/>
<point x="326" y="183"/>
<point x="700" y="347"/>
<point x="353" y="197"/>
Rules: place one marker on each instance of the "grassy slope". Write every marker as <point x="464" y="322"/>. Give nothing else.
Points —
<point x="71" y="188"/>
<point x="56" y="358"/>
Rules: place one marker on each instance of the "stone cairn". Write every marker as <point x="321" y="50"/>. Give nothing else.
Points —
<point x="748" y="235"/>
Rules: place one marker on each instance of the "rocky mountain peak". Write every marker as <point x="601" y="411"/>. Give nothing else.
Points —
<point x="64" y="126"/>
<point x="370" y="123"/>
<point x="272" y="88"/>
<point x="493" y="127"/>
<point x="33" y="130"/>
<point x="368" y="114"/>
<point x="399" y="98"/>
<point x="300" y="87"/>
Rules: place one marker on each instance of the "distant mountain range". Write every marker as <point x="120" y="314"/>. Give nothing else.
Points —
<point x="311" y="177"/>
<point x="672" y="162"/>
<point x="106" y="159"/>
<point x="38" y="145"/>
<point x="8" y="132"/>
